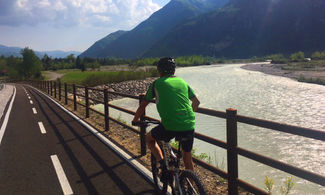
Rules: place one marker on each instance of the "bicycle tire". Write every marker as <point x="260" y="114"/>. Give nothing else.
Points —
<point x="155" y="169"/>
<point x="187" y="187"/>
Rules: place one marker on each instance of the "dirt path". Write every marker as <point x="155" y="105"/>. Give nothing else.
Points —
<point x="52" y="76"/>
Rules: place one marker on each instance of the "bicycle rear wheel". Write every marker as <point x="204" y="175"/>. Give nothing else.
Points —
<point x="161" y="187"/>
<point x="191" y="183"/>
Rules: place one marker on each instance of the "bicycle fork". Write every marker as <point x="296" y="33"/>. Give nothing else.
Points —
<point x="178" y="189"/>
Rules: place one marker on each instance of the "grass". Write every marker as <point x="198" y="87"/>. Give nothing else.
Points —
<point x="314" y="65"/>
<point x="311" y="80"/>
<point x="98" y="78"/>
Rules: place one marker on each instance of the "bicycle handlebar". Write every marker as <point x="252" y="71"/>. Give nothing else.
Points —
<point x="145" y="123"/>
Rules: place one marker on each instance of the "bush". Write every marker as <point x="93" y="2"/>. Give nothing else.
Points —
<point x="318" y="55"/>
<point x="278" y="59"/>
<point x="297" y="57"/>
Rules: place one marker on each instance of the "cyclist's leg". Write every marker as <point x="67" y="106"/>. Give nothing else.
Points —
<point x="157" y="133"/>
<point x="188" y="162"/>
<point x="153" y="146"/>
<point x="187" y="145"/>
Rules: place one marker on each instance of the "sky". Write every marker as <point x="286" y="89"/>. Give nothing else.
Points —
<point x="68" y="25"/>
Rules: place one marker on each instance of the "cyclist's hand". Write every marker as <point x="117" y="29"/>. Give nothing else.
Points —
<point x="136" y="123"/>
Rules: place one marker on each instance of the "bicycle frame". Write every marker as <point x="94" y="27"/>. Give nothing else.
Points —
<point x="174" y="168"/>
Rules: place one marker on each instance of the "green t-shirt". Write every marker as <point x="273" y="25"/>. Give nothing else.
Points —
<point x="173" y="96"/>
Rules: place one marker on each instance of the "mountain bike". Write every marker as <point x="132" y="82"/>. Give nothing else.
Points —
<point x="182" y="182"/>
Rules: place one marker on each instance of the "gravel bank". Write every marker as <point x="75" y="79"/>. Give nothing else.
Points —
<point x="276" y="69"/>
<point x="134" y="87"/>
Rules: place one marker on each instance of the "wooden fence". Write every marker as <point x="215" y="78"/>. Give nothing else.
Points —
<point x="55" y="89"/>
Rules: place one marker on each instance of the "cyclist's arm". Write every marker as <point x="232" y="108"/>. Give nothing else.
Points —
<point x="140" y="111"/>
<point x="195" y="103"/>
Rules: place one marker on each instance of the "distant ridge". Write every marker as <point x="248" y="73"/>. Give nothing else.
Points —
<point x="15" y="51"/>
<point x="134" y="43"/>
<point x="231" y="29"/>
<point x="247" y="28"/>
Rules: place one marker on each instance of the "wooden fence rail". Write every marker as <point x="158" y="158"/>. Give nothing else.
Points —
<point x="232" y="119"/>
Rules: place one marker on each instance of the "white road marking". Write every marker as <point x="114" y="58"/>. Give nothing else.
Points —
<point x="5" y="121"/>
<point x="31" y="102"/>
<point x="34" y="111"/>
<point x="28" y="97"/>
<point x="42" y="128"/>
<point x="66" y="188"/>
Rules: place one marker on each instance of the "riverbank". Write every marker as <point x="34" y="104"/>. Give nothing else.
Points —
<point x="278" y="70"/>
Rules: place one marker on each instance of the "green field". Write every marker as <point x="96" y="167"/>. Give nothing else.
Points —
<point x="98" y="78"/>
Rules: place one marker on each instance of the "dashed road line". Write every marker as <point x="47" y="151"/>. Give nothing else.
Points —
<point x="34" y="110"/>
<point x="66" y="188"/>
<point x="42" y="128"/>
<point x="31" y="102"/>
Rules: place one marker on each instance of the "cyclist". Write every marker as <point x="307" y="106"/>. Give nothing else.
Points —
<point x="172" y="95"/>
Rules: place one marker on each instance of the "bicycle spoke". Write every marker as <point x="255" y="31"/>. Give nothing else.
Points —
<point x="191" y="183"/>
<point x="192" y="189"/>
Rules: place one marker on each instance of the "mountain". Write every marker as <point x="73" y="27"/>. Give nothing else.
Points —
<point x="97" y="50"/>
<point x="135" y="43"/>
<point x="8" y="51"/>
<point x="15" y="51"/>
<point x="246" y="28"/>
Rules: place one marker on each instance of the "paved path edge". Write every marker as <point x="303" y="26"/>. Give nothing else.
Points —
<point x="133" y="162"/>
<point x="7" y="114"/>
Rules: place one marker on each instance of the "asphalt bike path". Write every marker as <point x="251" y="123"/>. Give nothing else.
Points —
<point x="46" y="151"/>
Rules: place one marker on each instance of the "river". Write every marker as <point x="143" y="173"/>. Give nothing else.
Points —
<point x="261" y="96"/>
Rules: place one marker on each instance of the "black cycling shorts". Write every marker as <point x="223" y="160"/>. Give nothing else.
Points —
<point x="160" y="133"/>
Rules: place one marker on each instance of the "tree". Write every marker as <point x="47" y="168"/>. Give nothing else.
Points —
<point x="13" y="67"/>
<point x="80" y="64"/>
<point x="3" y="66"/>
<point x="318" y="55"/>
<point x="71" y="59"/>
<point x="47" y="62"/>
<point x="31" y="66"/>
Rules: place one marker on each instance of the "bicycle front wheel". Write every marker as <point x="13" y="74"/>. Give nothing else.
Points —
<point x="161" y="187"/>
<point x="191" y="183"/>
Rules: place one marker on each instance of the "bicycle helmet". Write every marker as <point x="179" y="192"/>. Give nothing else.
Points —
<point x="166" y="66"/>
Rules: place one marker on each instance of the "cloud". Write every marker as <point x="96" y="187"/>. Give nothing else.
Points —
<point x="69" y="13"/>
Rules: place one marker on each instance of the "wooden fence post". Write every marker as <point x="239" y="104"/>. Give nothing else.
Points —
<point x="51" y="82"/>
<point x="106" y="109"/>
<point x="74" y="97"/>
<point x="59" y="90"/>
<point x="142" y="130"/>
<point x="87" y="101"/>
<point x="54" y="89"/>
<point x="65" y="93"/>
<point x="48" y="87"/>
<point x="232" y="155"/>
